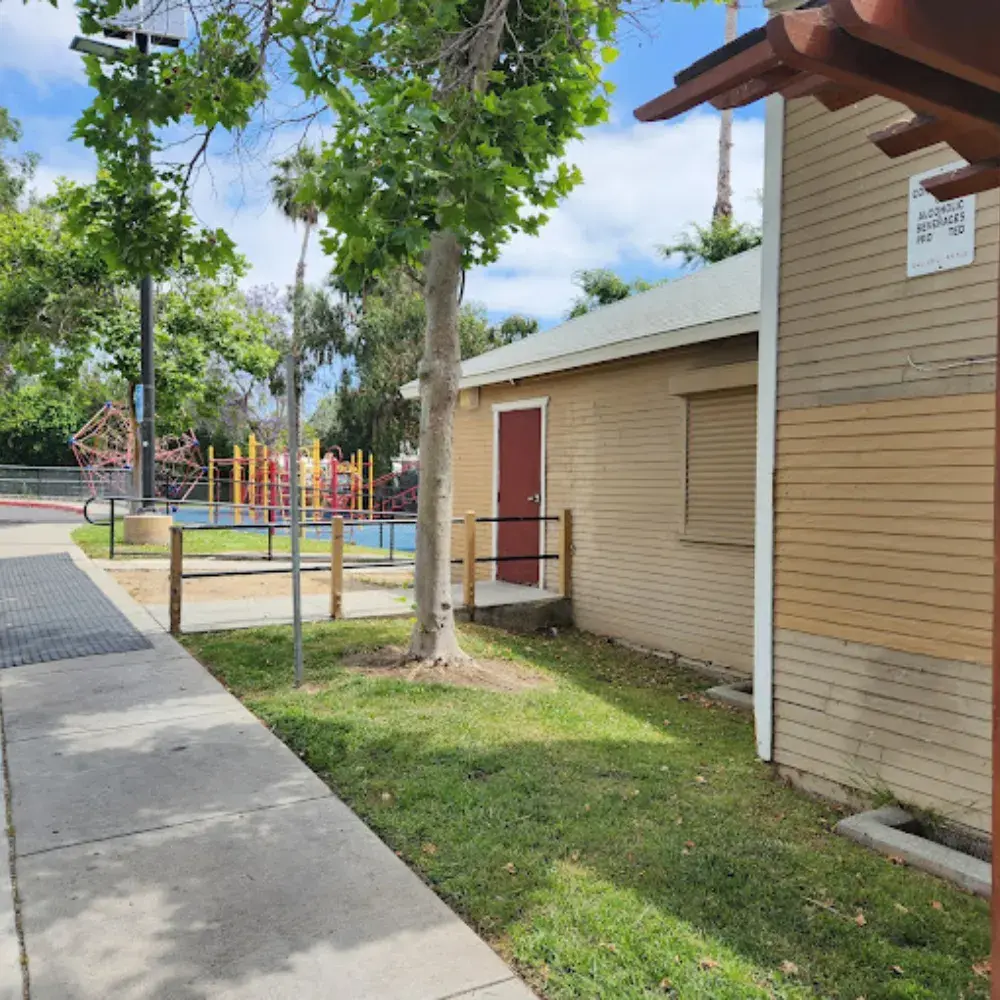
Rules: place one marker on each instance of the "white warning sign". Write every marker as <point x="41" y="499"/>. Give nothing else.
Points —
<point x="941" y="234"/>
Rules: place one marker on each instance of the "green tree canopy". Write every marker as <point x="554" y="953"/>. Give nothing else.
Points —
<point x="452" y="119"/>
<point x="600" y="288"/>
<point x="54" y="291"/>
<point x="721" y="238"/>
<point x="378" y="338"/>
<point x="15" y="171"/>
<point x="206" y="336"/>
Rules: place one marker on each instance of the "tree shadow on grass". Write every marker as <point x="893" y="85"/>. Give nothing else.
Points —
<point x="609" y="865"/>
<point x="164" y="855"/>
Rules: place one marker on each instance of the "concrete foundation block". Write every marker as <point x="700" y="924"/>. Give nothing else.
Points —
<point x="147" y="529"/>
<point x="883" y="830"/>
<point x="738" y="695"/>
<point x="526" y="616"/>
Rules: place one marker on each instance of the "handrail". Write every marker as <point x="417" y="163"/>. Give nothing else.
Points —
<point x="469" y="560"/>
<point x="86" y="512"/>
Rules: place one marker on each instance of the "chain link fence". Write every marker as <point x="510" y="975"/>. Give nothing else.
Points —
<point x="54" y="482"/>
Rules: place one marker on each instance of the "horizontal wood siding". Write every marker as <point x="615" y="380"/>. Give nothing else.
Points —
<point x="851" y="321"/>
<point x="884" y="479"/>
<point x="615" y="457"/>
<point x="876" y="720"/>
<point x="884" y="524"/>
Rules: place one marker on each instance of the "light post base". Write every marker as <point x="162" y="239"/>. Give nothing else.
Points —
<point x="147" y="529"/>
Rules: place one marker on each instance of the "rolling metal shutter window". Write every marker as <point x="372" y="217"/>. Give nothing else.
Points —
<point x="721" y="466"/>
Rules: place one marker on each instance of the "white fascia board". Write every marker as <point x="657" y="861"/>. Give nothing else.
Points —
<point x="617" y="351"/>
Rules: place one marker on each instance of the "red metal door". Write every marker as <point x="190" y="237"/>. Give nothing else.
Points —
<point x="519" y="494"/>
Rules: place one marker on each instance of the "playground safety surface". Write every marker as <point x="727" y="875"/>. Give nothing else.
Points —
<point x="51" y="610"/>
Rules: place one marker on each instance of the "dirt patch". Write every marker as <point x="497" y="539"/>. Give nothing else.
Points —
<point x="152" y="586"/>
<point x="488" y="675"/>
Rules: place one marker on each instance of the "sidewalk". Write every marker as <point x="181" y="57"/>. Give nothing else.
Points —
<point x="168" y="846"/>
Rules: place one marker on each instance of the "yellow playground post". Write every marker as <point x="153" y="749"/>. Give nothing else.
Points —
<point x="237" y="476"/>
<point x="371" y="486"/>
<point x="267" y="485"/>
<point x="252" y="474"/>
<point x="211" y="484"/>
<point x="303" y="509"/>
<point x="317" y="476"/>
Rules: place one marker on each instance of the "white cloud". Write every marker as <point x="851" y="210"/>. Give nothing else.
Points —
<point x="642" y="186"/>
<point x="46" y="175"/>
<point x="36" y="39"/>
<point x="236" y="197"/>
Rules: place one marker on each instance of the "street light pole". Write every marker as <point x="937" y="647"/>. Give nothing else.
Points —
<point x="148" y="430"/>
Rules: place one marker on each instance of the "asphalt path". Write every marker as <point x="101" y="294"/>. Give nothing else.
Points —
<point x="11" y="516"/>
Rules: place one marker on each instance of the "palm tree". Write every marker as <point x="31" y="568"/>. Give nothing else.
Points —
<point x="720" y="239"/>
<point x="724" y="187"/>
<point x="288" y="184"/>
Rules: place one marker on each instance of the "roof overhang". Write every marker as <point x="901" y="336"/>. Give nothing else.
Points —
<point x="937" y="57"/>
<point x="620" y="350"/>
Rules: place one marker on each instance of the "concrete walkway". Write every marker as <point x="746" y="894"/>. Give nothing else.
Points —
<point x="376" y="602"/>
<point x="168" y="846"/>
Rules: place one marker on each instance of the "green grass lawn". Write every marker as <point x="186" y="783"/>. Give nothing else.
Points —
<point x="93" y="539"/>
<point x="612" y="835"/>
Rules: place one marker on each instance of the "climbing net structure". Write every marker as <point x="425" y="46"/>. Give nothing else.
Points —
<point x="104" y="450"/>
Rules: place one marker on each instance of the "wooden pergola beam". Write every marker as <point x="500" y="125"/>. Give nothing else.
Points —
<point x="836" y="98"/>
<point x="727" y="75"/>
<point x="972" y="179"/>
<point x="961" y="38"/>
<point x="804" y="85"/>
<point x="925" y="131"/>
<point x="813" y="42"/>
<point x="754" y="90"/>
<point x="903" y="138"/>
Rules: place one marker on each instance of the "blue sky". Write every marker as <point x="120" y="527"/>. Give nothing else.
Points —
<point x="642" y="183"/>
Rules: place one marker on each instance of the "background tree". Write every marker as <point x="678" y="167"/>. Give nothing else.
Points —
<point x="15" y="171"/>
<point x="451" y="122"/>
<point x="290" y="184"/>
<point x="54" y="288"/>
<point x="206" y="336"/>
<point x="602" y="287"/>
<point x="724" y="185"/>
<point x="709" y="244"/>
<point x="379" y="340"/>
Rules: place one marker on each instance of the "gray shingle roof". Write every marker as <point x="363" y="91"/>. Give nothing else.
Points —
<point x="722" y="300"/>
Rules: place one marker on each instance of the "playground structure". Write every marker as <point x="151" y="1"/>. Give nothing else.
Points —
<point x="104" y="449"/>
<point x="256" y="484"/>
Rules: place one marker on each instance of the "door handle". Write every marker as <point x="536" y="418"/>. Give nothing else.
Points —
<point x="535" y="498"/>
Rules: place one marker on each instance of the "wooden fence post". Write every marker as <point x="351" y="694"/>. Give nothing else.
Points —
<point x="211" y="484"/>
<point x="176" y="582"/>
<point x="337" y="568"/>
<point x="469" y="563"/>
<point x="566" y="553"/>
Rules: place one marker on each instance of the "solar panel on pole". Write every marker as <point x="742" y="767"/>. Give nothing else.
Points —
<point x="163" y="21"/>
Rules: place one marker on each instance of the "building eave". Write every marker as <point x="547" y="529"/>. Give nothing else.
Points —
<point x="733" y="326"/>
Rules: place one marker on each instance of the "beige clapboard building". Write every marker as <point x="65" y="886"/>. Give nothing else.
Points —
<point x="783" y="465"/>
<point x="640" y="418"/>
<point x="882" y="507"/>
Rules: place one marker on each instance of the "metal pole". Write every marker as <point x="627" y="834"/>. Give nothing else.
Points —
<point x="293" y="472"/>
<point x="148" y="434"/>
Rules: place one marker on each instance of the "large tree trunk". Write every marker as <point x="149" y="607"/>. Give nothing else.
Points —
<point x="724" y="188"/>
<point x="434" y="637"/>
